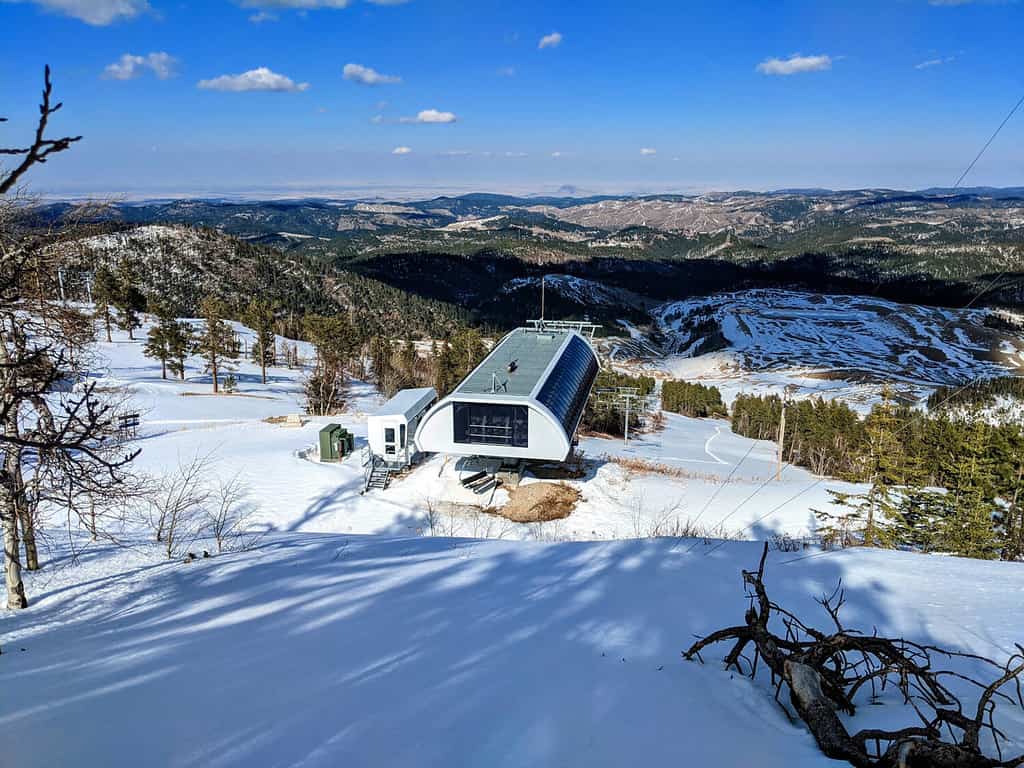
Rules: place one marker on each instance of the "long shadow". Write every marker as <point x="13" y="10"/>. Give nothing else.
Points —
<point x="327" y="649"/>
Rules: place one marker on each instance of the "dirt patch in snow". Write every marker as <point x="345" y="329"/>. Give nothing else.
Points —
<point x="539" y="502"/>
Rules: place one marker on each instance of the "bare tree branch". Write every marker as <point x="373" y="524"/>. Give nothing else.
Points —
<point x="41" y="148"/>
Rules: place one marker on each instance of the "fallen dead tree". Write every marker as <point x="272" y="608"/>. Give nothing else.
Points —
<point x="824" y="672"/>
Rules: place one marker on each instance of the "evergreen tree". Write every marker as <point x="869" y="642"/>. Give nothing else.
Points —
<point x="128" y="300"/>
<point x="259" y="316"/>
<point x="104" y="294"/>
<point x="874" y="517"/>
<point x="217" y="343"/>
<point x="446" y="375"/>
<point x="180" y="341"/>
<point x="158" y="342"/>
<point x="968" y="508"/>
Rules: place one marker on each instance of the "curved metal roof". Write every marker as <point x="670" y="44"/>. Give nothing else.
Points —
<point x="567" y="387"/>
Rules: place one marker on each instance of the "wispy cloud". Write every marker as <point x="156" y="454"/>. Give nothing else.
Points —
<point x="934" y="62"/>
<point x="550" y="41"/>
<point x="556" y="154"/>
<point x="261" y="16"/>
<point x="130" y="66"/>
<point x="357" y="73"/>
<point x="259" y="79"/>
<point x="401" y="150"/>
<point x="648" y="151"/>
<point x="517" y="154"/>
<point x="506" y="71"/>
<point x="430" y="116"/>
<point x="795" y="64"/>
<point x="99" y="13"/>
<point x="309" y="5"/>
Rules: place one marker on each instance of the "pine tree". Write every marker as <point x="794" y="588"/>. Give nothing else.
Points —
<point x="104" y="294"/>
<point x="967" y="526"/>
<point x="158" y="342"/>
<point x="408" y="359"/>
<point x="874" y="517"/>
<point x="259" y="316"/>
<point x="217" y="343"/>
<point x="446" y="375"/>
<point x="128" y="300"/>
<point x="180" y="341"/>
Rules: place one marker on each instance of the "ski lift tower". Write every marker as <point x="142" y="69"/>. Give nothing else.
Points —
<point x="626" y="397"/>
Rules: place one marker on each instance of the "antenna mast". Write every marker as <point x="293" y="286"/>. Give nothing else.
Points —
<point x="542" y="279"/>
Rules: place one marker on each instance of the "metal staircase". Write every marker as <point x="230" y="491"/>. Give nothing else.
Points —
<point x="378" y="475"/>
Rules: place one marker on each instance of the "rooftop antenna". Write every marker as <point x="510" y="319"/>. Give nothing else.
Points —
<point x="542" y="279"/>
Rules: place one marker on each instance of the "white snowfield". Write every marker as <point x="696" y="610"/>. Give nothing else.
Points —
<point x="331" y="650"/>
<point x="832" y="345"/>
<point x="350" y="636"/>
<point x="297" y="493"/>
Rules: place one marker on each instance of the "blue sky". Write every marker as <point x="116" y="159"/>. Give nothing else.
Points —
<point x="221" y="97"/>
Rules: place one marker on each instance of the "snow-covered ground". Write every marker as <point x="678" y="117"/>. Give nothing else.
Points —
<point x="330" y="650"/>
<point x="351" y="637"/>
<point x="703" y="461"/>
<point x="809" y="344"/>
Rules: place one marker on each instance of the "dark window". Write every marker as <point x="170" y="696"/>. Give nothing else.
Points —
<point x="401" y="435"/>
<point x="389" y="434"/>
<point x="566" y="390"/>
<point x="491" y="424"/>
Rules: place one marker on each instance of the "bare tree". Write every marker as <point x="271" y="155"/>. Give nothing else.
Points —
<point x="177" y="505"/>
<point x="41" y="148"/>
<point x="229" y="515"/>
<point x="824" y="670"/>
<point x="64" y="430"/>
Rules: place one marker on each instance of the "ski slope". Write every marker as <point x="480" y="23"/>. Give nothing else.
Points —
<point x="350" y="636"/>
<point x="328" y="650"/>
<point x="706" y="462"/>
<point x="829" y="345"/>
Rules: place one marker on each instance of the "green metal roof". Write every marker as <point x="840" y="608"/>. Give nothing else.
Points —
<point x="532" y="352"/>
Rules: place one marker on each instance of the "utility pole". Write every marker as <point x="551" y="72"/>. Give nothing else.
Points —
<point x="625" y="431"/>
<point x="782" y="441"/>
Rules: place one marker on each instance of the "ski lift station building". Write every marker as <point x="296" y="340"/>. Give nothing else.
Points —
<point x="523" y="402"/>
<point x="390" y="430"/>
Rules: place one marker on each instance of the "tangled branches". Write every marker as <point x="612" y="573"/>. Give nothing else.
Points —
<point x="825" y="671"/>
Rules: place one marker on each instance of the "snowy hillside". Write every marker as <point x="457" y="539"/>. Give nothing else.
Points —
<point x="352" y="636"/>
<point x="328" y="650"/>
<point x="692" y="462"/>
<point x="831" y="344"/>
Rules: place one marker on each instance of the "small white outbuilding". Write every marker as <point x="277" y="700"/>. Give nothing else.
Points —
<point x="391" y="429"/>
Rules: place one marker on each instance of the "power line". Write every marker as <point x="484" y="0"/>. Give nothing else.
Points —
<point x="908" y="424"/>
<point x="989" y="142"/>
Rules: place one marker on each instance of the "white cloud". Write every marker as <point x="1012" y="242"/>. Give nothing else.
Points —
<point x="401" y="150"/>
<point x="259" y="79"/>
<point x="795" y="64"/>
<point x="430" y="116"/>
<point x="934" y="62"/>
<point x="506" y="71"/>
<point x="357" y="73"/>
<point x="516" y="154"/>
<point x="310" y="5"/>
<point x="550" y="41"/>
<point x="556" y="154"/>
<point x="260" y="16"/>
<point x="129" y="66"/>
<point x="458" y="153"/>
<point x="96" y="12"/>
<point x="647" y="151"/>
<point x="305" y="5"/>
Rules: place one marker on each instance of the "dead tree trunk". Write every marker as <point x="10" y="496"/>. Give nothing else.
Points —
<point x="824" y="672"/>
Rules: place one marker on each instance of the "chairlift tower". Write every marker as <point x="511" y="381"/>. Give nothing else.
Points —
<point x="625" y="397"/>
